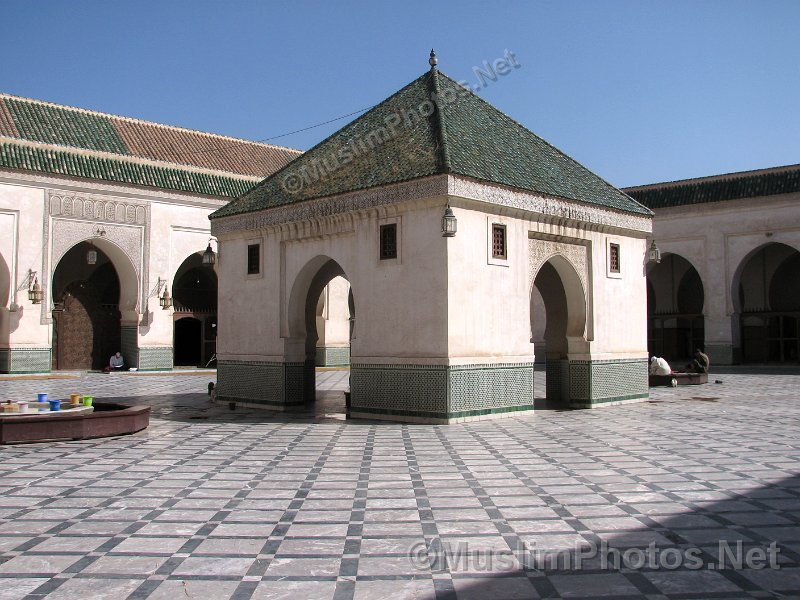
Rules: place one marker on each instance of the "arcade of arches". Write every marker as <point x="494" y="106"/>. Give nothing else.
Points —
<point x="767" y="304"/>
<point x="87" y="327"/>
<point x="766" y="301"/>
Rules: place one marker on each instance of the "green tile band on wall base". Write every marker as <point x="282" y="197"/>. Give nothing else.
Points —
<point x="440" y="393"/>
<point x="329" y="356"/>
<point x="25" y="360"/>
<point x="557" y="380"/>
<point x="435" y="418"/>
<point x="595" y="383"/>
<point x="270" y="385"/>
<point x="155" y="358"/>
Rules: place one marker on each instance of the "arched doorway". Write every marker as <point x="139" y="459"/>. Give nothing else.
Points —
<point x="86" y="314"/>
<point x="675" y="299"/>
<point x="559" y="291"/>
<point x="303" y="317"/>
<point x="767" y="302"/>
<point x="188" y="342"/>
<point x="194" y="294"/>
<point x="333" y="324"/>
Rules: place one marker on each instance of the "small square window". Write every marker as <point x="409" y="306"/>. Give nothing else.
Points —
<point x="613" y="258"/>
<point x="253" y="259"/>
<point x="498" y="241"/>
<point x="388" y="241"/>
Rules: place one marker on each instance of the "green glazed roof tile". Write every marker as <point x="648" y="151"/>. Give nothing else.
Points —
<point x="68" y="127"/>
<point x="784" y="180"/>
<point x="17" y="156"/>
<point x="405" y="137"/>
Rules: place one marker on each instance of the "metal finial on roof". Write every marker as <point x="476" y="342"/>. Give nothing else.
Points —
<point x="433" y="61"/>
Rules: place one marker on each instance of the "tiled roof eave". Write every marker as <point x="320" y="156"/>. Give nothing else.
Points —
<point x="24" y="155"/>
<point x="589" y="214"/>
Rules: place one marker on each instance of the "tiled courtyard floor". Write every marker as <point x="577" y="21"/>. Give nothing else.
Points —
<point x="210" y="503"/>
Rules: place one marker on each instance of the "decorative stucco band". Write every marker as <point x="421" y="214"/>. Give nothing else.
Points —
<point x="553" y="207"/>
<point x="272" y="385"/>
<point x="330" y="356"/>
<point x="595" y="383"/>
<point x="155" y="358"/>
<point x="430" y="187"/>
<point x="440" y="393"/>
<point x="25" y="360"/>
<point x="333" y="205"/>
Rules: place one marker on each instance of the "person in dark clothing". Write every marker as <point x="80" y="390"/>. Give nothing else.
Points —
<point x="700" y="363"/>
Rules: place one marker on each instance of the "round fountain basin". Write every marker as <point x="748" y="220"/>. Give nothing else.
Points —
<point x="80" y="422"/>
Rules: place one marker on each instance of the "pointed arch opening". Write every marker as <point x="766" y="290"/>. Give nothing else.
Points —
<point x="675" y="301"/>
<point x="194" y="293"/>
<point x="766" y="299"/>
<point x="558" y="315"/>
<point x="89" y="297"/>
<point x="321" y="309"/>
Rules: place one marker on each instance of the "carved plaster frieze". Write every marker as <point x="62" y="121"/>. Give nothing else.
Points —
<point x="108" y="211"/>
<point x="334" y="205"/>
<point x="550" y="206"/>
<point x="428" y="188"/>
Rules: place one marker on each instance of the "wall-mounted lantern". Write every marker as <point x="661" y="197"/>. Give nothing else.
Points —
<point x="654" y="254"/>
<point x="165" y="300"/>
<point x="91" y="254"/>
<point x="35" y="293"/>
<point x="209" y="256"/>
<point x="449" y="223"/>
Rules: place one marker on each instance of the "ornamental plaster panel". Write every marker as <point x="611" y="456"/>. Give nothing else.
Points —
<point x="67" y="233"/>
<point x="76" y="218"/>
<point x="575" y="252"/>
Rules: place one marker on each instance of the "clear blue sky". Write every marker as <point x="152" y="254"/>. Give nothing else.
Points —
<point x="638" y="91"/>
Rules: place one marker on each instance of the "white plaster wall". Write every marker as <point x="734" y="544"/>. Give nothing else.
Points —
<point x="400" y="304"/>
<point x="333" y="326"/>
<point x="176" y="232"/>
<point x="21" y="212"/>
<point x="620" y="302"/>
<point x="179" y="226"/>
<point x="490" y="318"/>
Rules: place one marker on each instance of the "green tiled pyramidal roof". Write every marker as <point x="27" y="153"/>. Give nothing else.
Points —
<point x="62" y="140"/>
<point x="405" y="138"/>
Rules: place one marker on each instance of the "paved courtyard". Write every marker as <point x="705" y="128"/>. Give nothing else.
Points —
<point x="680" y="497"/>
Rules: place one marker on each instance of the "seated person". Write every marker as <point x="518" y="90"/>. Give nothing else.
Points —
<point x="659" y="366"/>
<point x="115" y="363"/>
<point x="699" y="364"/>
